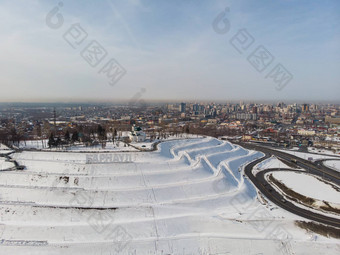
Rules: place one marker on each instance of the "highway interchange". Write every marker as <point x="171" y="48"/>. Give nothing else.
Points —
<point x="277" y="198"/>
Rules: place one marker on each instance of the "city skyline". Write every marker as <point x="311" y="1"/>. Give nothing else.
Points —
<point x="170" y="51"/>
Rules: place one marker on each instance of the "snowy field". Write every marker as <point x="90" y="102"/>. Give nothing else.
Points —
<point x="188" y="197"/>
<point x="5" y="165"/>
<point x="34" y="144"/>
<point x="305" y="156"/>
<point x="313" y="187"/>
<point x="4" y="149"/>
<point x="43" y="145"/>
<point x="272" y="162"/>
<point x="323" y="151"/>
<point x="334" y="164"/>
<point x="117" y="146"/>
<point x="110" y="146"/>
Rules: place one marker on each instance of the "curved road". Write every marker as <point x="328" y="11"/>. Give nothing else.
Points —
<point x="313" y="168"/>
<point x="321" y="161"/>
<point x="268" y="191"/>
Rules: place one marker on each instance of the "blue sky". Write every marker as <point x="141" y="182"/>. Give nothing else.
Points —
<point x="170" y="49"/>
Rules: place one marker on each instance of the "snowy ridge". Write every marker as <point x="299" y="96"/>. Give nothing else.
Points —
<point x="167" y="186"/>
<point x="172" y="197"/>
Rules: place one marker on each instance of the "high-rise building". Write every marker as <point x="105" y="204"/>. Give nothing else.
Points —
<point x="305" y="108"/>
<point x="182" y="107"/>
<point x="198" y="109"/>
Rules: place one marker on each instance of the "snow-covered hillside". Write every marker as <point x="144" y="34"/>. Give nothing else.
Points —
<point x="188" y="197"/>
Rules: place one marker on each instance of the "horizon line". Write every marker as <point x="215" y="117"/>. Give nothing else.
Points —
<point x="152" y="101"/>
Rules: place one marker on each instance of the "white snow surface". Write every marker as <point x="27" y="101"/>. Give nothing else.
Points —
<point x="43" y="145"/>
<point x="272" y="162"/>
<point x="323" y="151"/>
<point x="188" y="197"/>
<point x="4" y="149"/>
<point x="305" y="155"/>
<point x="334" y="164"/>
<point x="5" y="165"/>
<point x="309" y="186"/>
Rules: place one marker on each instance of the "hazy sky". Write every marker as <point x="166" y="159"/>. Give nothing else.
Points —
<point x="170" y="49"/>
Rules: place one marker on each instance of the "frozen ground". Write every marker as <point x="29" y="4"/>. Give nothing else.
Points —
<point x="334" y="164"/>
<point x="4" y="149"/>
<point x="117" y="146"/>
<point x="43" y="145"/>
<point x="5" y="165"/>
<point x="110" y="146"/>
<point x="271" y="162"/>
<point x="322" y="151"/>
<point x="325" y="196"/>
<point x="188" y="197"/>
<point x="308" y="155"/>
<point x="34" y="144"/>
<point x="312" y="187"/>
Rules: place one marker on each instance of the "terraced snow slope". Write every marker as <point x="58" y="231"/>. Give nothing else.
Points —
<point x="188" y="197"/>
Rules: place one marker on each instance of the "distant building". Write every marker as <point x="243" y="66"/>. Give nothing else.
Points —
<point x="305" y="108"/>
<point x="246" y="116"/>
<point x="246" y="137"/>
<point x="136" y="134"/>
<point x="172" y="107"/>
<point x="332" y="120"/>
<point x="182" y="107"/>
<point x="306" y="132"/>
<point x="213" y="121"/>
<point x="198" y="109"/>
<point x="126" y="117"/>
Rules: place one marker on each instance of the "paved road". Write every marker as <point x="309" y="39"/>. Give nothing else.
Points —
<point x="321" y="162"/>
<point x="314" y="168"/>
<point x="274" y="196"/>
<point x="270" y="193"/>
